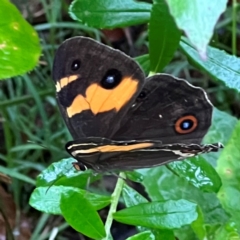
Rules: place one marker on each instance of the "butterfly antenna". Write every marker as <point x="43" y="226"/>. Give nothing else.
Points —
<point x="88" y="182"/>
<point x="55" y="181"/>
<point x="117" y="176"/>
<point x="33" y="142"/>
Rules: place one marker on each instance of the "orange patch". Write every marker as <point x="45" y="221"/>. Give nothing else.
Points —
<point x="100" y="100"/>
<point x="79" y="103"/>
<point x="65" y="81"/>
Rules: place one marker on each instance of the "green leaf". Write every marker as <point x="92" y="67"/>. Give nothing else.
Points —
<point x="198" y="225"/>
<point x="47" y="199"/>
<point x="143" y="236"/>
<point x="219" y="65"/>
<point x="229" y="170"/>
<point x="161" y="215"/>
<point x="14" y="173"/>
<point x="165" y="185"/>
<point x="144" y="62"/>
<point x="19" y="43"/>
<point x="163" y="234"/>
<point x="81" y="216"/>
<point x="198" y="172"/>
<point x="228" y="163"/>
<point x="164" y="36"/>
<point x="134" y="176"/>
<point x="185" y="233"/>
<point x="132" y="197"/>
<point x="197" y="19"/>
<point x="110" y="14"/>
<point x="222" y="127"/>
<point x="63" y="173"/>
<point x="228" y="231"/>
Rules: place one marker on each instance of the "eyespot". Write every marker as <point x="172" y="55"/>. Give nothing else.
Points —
<point x="75" y="65"/>
<point x="111" y="79"/>
<point x="186" y="124"/>
<point x="142" y="95"/>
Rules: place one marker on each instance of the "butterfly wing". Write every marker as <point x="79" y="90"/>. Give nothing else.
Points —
<point x="168" y="109"/>
<point x="118" y="119"/>
<point x="103" y="154"/>
<point x="95" y="86"/>
<point x="166" y="122"/>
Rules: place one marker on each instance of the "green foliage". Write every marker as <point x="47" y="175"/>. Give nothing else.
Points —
<point x="167" y="214"/>
<point x="219" y="65"/>
<point x="228" y="169"/>
<point x="142" y="236"/>
<point x="162" y="45"/>
<point x="47" y="199"/>
<point x="110" y="14"/>
<point x="81" y="215"/>
<point x="193" y="199"/>
<point x="19" y="43"/>
<point x="199" y="172"/>
<point x="197" y="19"/>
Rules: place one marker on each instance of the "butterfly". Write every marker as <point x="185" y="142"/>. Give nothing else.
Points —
<point x="121" y="120"/>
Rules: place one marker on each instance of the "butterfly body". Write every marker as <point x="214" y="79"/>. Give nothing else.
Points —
<point x="121" y="120"/>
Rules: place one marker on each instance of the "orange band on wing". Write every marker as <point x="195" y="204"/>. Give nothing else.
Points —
<point x="65" y="81"/>
<point x="100" y="100"/>
<point x="114" y="148"/>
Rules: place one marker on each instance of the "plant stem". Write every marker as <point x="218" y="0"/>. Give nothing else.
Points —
<point x="234" y="26"/>
<point x="114" y="202"/>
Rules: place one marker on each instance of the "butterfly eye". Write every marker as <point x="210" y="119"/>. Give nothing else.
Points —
<point x="111" y="79"/>
<point x="79" y="166"/>
<point x="186" y="124"/>
<point x="75" y="65"/>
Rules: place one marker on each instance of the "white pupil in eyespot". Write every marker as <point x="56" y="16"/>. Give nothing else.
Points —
<point x="185" y="125"/>
<point x="110" y="79"/>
